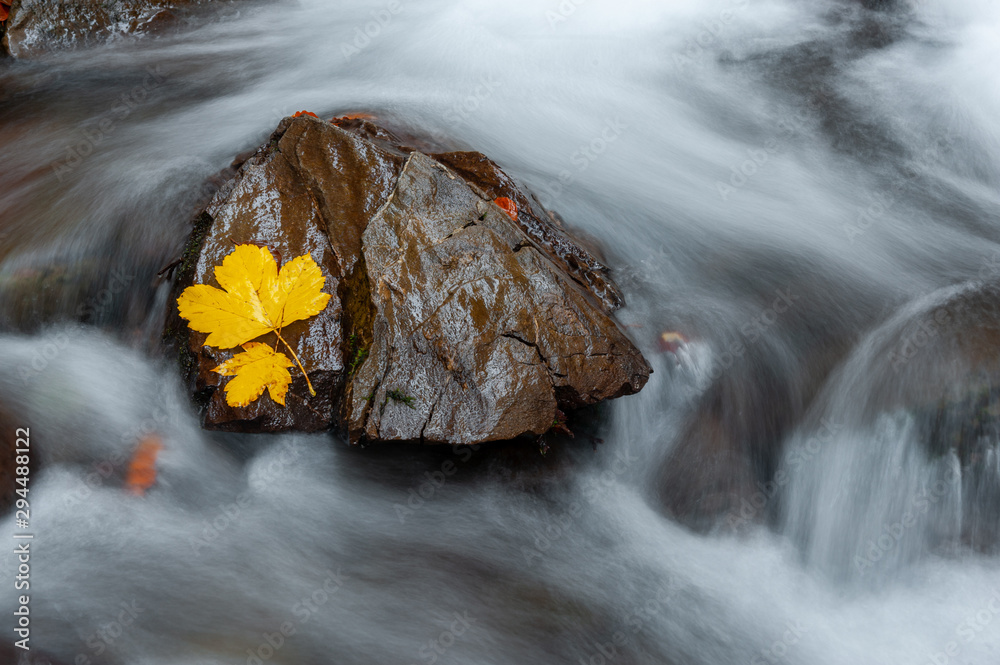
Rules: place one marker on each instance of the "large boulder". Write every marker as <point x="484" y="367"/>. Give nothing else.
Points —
<point x="452" y="319"/>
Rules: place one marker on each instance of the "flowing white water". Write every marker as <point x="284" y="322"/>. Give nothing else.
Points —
<point x="787" y="183"/>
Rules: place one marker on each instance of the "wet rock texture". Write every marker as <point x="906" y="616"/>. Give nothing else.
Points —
<point x="450" y="321"/>
<point x="36" y="26"/>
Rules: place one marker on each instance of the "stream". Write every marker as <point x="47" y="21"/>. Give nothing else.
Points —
<point x="790" y="184"/>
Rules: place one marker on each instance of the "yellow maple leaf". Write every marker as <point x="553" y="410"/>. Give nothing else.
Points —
<point x="257" y="368"/>
<point x="255" y="299"/>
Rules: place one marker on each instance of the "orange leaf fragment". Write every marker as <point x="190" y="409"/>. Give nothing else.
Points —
<point x="671" y="341"/>
<point x="4" y="13"/>
<point x="352" y="116"/>
<point x="142" y="468"/>
<point x="508" y="206"/>
<point x="309" y="113"/>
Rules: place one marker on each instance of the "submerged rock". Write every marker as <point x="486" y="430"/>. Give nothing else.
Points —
<point x="938" y="362"/>
<point x="453" y="319"/>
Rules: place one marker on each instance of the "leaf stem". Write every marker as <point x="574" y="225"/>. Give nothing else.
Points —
<point x="297" y="361"/>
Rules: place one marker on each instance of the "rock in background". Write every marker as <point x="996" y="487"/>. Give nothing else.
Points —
<point x="452" y="319"/>
<point x="36" y="26"/>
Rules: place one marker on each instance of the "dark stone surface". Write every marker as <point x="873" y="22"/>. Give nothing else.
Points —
<point x="449" y="321"/>
<point x="37" y="26"/>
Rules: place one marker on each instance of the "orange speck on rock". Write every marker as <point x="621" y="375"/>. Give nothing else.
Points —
<point x="508" y="206"/>
<point x="309" y="113"/>
<point x="142" y="468"/>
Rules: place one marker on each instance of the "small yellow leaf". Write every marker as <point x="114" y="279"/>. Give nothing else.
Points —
<point x="257" y="368"/>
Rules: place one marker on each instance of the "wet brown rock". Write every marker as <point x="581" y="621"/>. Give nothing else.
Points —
<point x="448" y="322"/>
<point x="36" y="26"/>
<point x="290" y="197"/>
<point x="543" y="228"/>
<point x="475" y="323"/>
